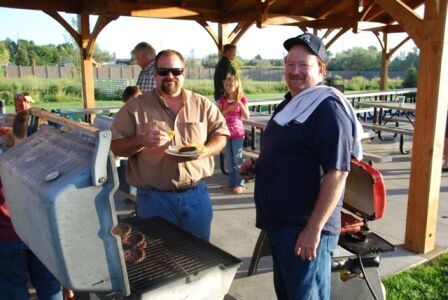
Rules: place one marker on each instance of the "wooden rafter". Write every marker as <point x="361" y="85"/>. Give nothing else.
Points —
<point x="262" y="11"/>
<point x="75" y="34"/>
<point x="100" y="24"/>
<point x="365" y="11"/>
<point x="228" y="5"/>
<point x="329" y="23"/>
<point x="394" y="28"/>
<point x="234" y="37"/>
<point x="209" y="30"/>
<point x="296" y="5"/>
<point x="329" y="6"/>
<point x="337" y="36"/>
<point x="406" y="17"/>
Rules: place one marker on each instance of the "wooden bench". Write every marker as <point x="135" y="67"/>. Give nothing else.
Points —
<point x="371" y="158"/>
<point x="395" y="130"/>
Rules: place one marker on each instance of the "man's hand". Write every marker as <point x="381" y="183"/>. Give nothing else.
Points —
<point x="247" y="169"/>
<point x="307" y="243"/>
<point x="155" y="138"/>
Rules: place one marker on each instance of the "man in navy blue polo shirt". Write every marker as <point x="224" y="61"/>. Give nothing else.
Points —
<point x="301" y="173"/>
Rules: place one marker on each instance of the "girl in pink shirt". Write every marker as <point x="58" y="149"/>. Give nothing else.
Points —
<point x="233" y="105"/>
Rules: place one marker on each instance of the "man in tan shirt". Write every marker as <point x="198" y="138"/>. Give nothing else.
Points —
<point x="168" y="185"/>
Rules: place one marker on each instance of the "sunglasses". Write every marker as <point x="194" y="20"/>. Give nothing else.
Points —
<point x="166" y="71"/>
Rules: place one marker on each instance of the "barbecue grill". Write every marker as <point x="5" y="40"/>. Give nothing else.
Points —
<point x="59" y="184"/>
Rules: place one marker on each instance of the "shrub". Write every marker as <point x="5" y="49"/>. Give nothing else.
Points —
<point x="411" y="78"/>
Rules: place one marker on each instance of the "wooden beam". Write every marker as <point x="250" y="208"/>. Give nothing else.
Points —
<point x="101" y="22"/>
<point x="394" y="28"/>
<point x="366" y="9"/>
<point x="393" y="50"/>
<point x="406" y="17"/>
<point x="210" y="31"/>
<point x="329" y="6"/>
<point x="262" y="11"/>
<point x="75" y="35"/>
<point x="228" y="5"/>
<point x="296" y="5"/>
<point x="336" y="37"/>
<point x="245" y="26"/>
<point x="86" y="63"/>
<point x="384" y="71"/>
<point x="430" y="119"/>
<point x="329" y="23"/>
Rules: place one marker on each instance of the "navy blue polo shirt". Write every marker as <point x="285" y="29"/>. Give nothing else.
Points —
<point x="292" y="162"/>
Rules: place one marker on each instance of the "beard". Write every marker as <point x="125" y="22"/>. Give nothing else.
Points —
<point x="170" y="86"/>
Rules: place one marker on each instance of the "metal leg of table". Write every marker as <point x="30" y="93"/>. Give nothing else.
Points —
<point x="402" y="145"/>
<point x="222" y="164"/>
<point x="261" y="249"/>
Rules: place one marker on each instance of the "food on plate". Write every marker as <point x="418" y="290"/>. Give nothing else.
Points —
<point x="170" y="134"/>
<point x="188" y="148"/>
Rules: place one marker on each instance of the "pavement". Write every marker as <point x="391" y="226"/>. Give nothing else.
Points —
<point x="233" y="228"/>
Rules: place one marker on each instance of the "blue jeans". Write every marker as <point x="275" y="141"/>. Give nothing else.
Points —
<point x="190" y="209"/>
<point x="297" y="279"/>
<point x="234" y="157"/>
<point x="17" y="264"/>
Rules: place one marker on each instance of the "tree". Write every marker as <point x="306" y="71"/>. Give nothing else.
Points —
<point x="22" y="57"/>
<point x="404" y="61"/>
<point x="4" y="54"/>
<point x="356" y="59"/>
<point x="210" y="61"/>
<point x="411" y="78"/>
<point x="101" y="55"/>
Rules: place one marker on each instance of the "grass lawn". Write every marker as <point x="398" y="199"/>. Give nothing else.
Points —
<point x="74" y="105"/>
<point x="426" y="281"/>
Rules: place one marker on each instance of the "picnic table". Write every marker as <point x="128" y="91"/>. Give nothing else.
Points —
<point x="398" y="113"/>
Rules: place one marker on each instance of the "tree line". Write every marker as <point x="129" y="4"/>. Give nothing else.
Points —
<point x="27" y="53"/>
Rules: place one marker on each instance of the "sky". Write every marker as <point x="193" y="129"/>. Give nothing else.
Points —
<point x="188" y="37"/>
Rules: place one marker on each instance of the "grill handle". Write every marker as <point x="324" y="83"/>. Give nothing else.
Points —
<point x="102" y="140"/>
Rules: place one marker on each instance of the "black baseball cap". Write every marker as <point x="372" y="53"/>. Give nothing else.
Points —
<point x="313" y="42"/>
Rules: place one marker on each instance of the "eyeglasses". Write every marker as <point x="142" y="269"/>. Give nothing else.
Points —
<point x="166" y="71"/>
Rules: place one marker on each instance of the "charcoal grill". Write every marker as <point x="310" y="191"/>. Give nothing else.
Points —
<point x="59" y="184"/>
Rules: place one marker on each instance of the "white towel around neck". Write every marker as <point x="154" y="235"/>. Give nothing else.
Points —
<point x="303" y="105"/>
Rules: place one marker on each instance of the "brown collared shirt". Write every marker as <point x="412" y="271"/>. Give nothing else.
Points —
<point x="196" y="122"/>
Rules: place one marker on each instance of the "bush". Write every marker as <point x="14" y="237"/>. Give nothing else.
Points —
<point x="60" y="98"/>
<point x="411" y="78"/>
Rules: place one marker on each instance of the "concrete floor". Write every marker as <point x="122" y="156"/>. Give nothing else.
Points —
<point x="234" y="217"/>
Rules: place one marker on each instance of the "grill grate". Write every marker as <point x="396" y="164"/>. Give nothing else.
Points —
<point x="171" y="254"/>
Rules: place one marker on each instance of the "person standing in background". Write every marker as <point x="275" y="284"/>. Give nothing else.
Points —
<point x="223" y="69"/>
<point x="144" y="54"/>
<point x="233" y="105"/>
<point x="130" y="92"/>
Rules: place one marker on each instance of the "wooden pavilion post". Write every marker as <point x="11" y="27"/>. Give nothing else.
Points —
<point x="88" y="89"/>
<point x="86" y="42"/>
<point x="430" y="35"/>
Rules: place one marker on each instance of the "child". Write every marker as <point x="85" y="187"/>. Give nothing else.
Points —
<point x="129" y="92"/>
<point x="233" y="105"/>
<point x="17" y="261"/>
